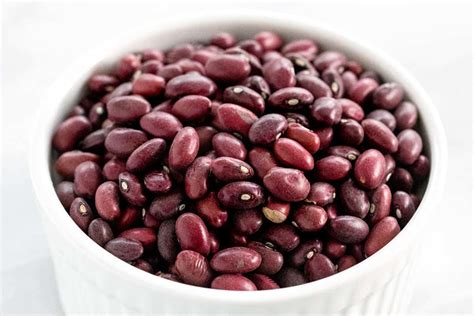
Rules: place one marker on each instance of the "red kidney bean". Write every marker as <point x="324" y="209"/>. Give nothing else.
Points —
<point x="345" y="262"/>
<point x="379" y="135"/>
<point x="228" y="169"/>
<point x="170" y="71"/>
<point x="196" y="178"/>
<point x="252" y="47"/>
<point x="167" y="205"/>
<point x="236" y="260"/>
<point x="190" y="83"/>
<point x="102" y="83"/>
<point x="279" y="73"/>
<point x="87" y="177"/>
<point x="179" y="52"/>
<point x="357" y="251"/>
<point x="403" y="207"/>
<point x="157" y="181"/>
<point x="205" y="134"/>
<point x="184" y="148"/>
<point x="146" y="236"/>
<point x="410" y="145"/>
<point x="153" y="54"/>
<point x="77" y="110"/>
<point x="287" y="184"/>
<point x="329" y="59"/>
<point x="351" y="110"/>
<point x="100" y="231"/>
<point x="299" y="118"/>
<point x="167" y="241"/>
<point x="127" y="108"/>
<point x="350" y="132"/>
<point x="65" y="193"/>
<point x="127" y="219"/>
<point x="131" y="189"/>
<point x="227" y="145"/>
<point x="348" y="229"/>
<point x="107" y="201"/>
<point x="152" y="67"/>
<point x="123" y="141"/>
<point x="68" y="161"/>
<point x="245" y="97"/>
<point x="127" y="65"/>
<point x="70" y="132"/>
<point x="233" y="282"/>
<point x="406" y="115"/>
<point x="188" y="65"/>
<point x="350" y="153"/>
<point x="401" y="179"/>
<point x="223" y="40"/>
<point x="146" y="155"/>
<point x="191" y="108"/>
<point x="349" y="79"/>
<point x="305" y="251"/>
<point x="354" y="200"/>
<point x="81" y="213"/>
<point x="247" y="222"/>
<point x="284" y="236"/>
<point x="334" y="249"/>
<point x="193" y="268"/>
<point x="262" y="160"/>
<point x="161" y="124"/>
<point x="416" y="199"/>
<point x="380" y="203"/>
<point x="121" y="90"/>
<point x="202" y="56"/>
<point x="332" y="168"/>
<point x="321" y="193"/>
<point x="319" y="267"/>
<point x="271" y="260"/>
<point x="276" y="211"/>
<point x="332" y="210"/>
<point x="192" y="233"/>
<point x="125" y="249"/>
<point x="269" y="40"/>
<point x="234" y="118"/>
<point x="142" y="265"/>
<point x="289" y="276"/>
<point x="388" y="96"/>
<point x="292" y="154"/>
<point x="150" y="221"/>
<point x="381" y="234"/>
<point x="210" y="210"/>
<point x="317" y="87"/>
<point x="241" y="195"/>
<point x="305" y="137"/>
<point x="236" y="239"/>
<point x="291" y="98"/>
<point x="227" y="67"/>
<point x="326" y="110"/>
<point x="113" y="168"/>
<point x="309" y="218"/>
<point x="369" y="169"/>
<point x="267" y="129"/>
<point x="354" y="67"/>
<point x="385" y="117"/>
<point x="263" y="282"/>
<point x="363" y="89"/>
<point x="390" y="166"/>
<point x="148" y="85"/>
<point x="259" y="85"/>
<point x="334" y="80"/>
<point x="215" y="243"/>
<point x="306" y="47"/>
<point x="97" y="114"/>
<point x="420" y="168"/>
<point x="94" y="141"/>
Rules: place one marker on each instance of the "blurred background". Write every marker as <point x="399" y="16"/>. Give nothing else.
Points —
<point x="432" y="40"/>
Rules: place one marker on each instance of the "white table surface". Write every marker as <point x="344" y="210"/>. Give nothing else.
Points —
<point x="432" y="40"/>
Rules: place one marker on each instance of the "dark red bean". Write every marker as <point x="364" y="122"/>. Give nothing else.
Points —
<point x="214" y="241"/>
<point x="227" y="67"/>
<point x="247" y="222"/>
<point x="245" y="97"/>
<point x="223" y="40"/>
<point x="100" y="231"/>
<point x="306" y="47"/>
<point x="102" y="83"/>
<point x="276" y="211"/>
<point x="241" y="195"/>
<point x="332" y="210"/>
<point x="81" y="213"/>
<point x="291" y="98"/>
<point x="210" y="210"/>
<point x="127" y="66"/>
<point x="390" y="166"/>
<point x="269" y="40"/>
<point x="388" y="96"/>
<point x="354" y="200"/>
<point x="420" y="168"/>
<point x="271" y="260"/>
<point x="287" y="184"/>
<point x="410" y="145"/>
<point x="142" y="265"/>
<point x="167" y="205"/>
<point x="161" y="124"/>
<point x="191" y="83"/>
<point x="157" y="181"/>
<point x="127" y="108"/>
<point x="350" y="132"/>
<point x="363" y="89"/>
<point x="193" y="268"/>
<point x="385" y="117"/>
<point x="406" y="115"/>
<point x="317" y="87"/>
<point x="121" y="90"/>
<point x="381" y="234"/>
<point x="205" y="134"/>
<point x="351" y="110"/>
<point x="234" y="118"/>
<point x="123" y="141"/>
<point x="179" y="52"/>
<point x="326" y="110"/>
<point x="350" y="153"/>
<point x="329" y="59"/>
<point x="146" y="155"/>
<point x="289" y="276"/>
<point x="97" y="114"/>
<point x="305" y="251"/>
<point x="321" y="193"/>
<point x="87" y="177"/>
<point x="348" y="229"/>
<point x="94" y="141"/>
<point x="184" y="148"/>
<point x="401" y="180"/>
<point x="151" y="67"/>
<point x="67" y="162"/>
<point x="65" y="193"/>
<point x="233" y="282"/>
<point x="309" y="218"/>
<point x="380" y="203"/>
<point x="292" y="154"/>
<point x="349" y="79"/>
<point x="267" y="129"/>
<point x="107" y="201"/>
<point x="128" y="218"/>
<point x="284" y="236"/>
<point x="191" y="108"/>
<point x="227" y="145"/>
<point x="125" y="249"/>
<point x="262" y="160"/>
<point x="146" y="236"/>
<point x="113" y="168"/>
<point x="131" y="189"/>
<point x="196" y="178"/>
<point x="403" y="207"/>
<point x="369" y="169"/>
<point x="77" y="110"/>
<point x="149" y="220"/>
<point x="70" y="132"/>
<point x="263" y="282"/>
<point x="319" y="267"/>
<point x="148" y="85"/>
<point x="332" y="168"/>
<point x="192" y="233"/>
<point x="305" y="137"/>
<point x="334" y="80"/>
<point x="252" y="47"/>
<point x="379" y="135"/>
<point x="167" y="241"/>
<point x="279" y="73"/>
<point x="236" y="239"/>
<point x="357" y="251"/>
<point x="236" y="260"/>
<point x="299" y="118"/>
<point x="228" y="169"/>
<point x="345" y="262"/>
<point x="259" y="85"/>
<point x="334" y="249"/>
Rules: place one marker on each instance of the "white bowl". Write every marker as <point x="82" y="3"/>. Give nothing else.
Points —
<point x="92" y="281"/>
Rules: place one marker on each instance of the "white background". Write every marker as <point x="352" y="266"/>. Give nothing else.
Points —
<point x="434" y="41"/>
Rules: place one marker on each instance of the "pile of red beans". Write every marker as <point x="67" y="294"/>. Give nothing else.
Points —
<point x="241" y="165"/>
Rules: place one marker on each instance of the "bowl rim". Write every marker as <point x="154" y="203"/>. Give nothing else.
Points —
<point x="39" y="157"/>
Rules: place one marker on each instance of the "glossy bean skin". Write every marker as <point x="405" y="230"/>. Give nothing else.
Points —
<point x="269" y="40"/>
<point x="241" y="195"/>
<point x="189" y="84"/>
<point x="305" y="251"/>
<point x="369" y="169"/>
<point x="410" y="145"/>
<point x="351" y="110"/>
<point x="125" y="249"/>
<point x="406" y="115"/>
<point x="289" y="276"/>
<point x="390" y="166"/>
<point x="70" y="132"/>
<point x="319" y="267"/>
<point x="245" y="97"/>
<point x="146" y="155"/>
<point x="248" y="221"/>
<point x="65" y="192"/>
<point x="167" y="241"/>
<point x="348" y="229"/>
<point x="157" y="181"/>
<point x="210" y="210"/>
<point x="127" y="108"/>
<point x="350" y="132"/>
<point x="380" y="203"/>
<point x="149" y="221"/>
<point x="284" y="236"/>
<point x="420" y="168"/>
<point x="131" y="189"/>
<point x="287" y="184"/>
<point x="145" y="235"/>
<point x="107" y="201"/>
<point x="276" y="211"/>
<point x="81" y="213"/>
<point x="168" y="205"/>
<point x="379" y="135"/>
<point x="128" y="218"/>
<point x="223" y="40"/>
<point x="227" y="68"/>
<point x="161" y="124"/>
<point x="401" y="179"/>
<point x="127" y="65"/>
<point x="87" y="177"/>
<point x="403" y="207"/>
<point x="304" y="136"/>
<point x="193" y="268"/>
<point x="234" y="118"/>
<point x="334" y="80"/>
<point x="385" y="117"/>
<point x="233" y="282"/>
<point x="271" y="259"/>
<point x="267" y="129"/>
<point x="123" y="141"/>
<point x="334" y="249"/>
<point x="228" y="169"/>
<point x="100" y="231"/>
<point x="191" y="108"/>
<point x="148" y="85"/>
<point x="305" y="47"/>
<point x="332" y="168"/>
<point x="113" y="168"/>
<point x="184" y="148"/>
<point x="227" y="145"/>
<point x="292" y="154"/>
<point x="381" y="234"/>
<point x="293" y="117"/>
<point x="196" y="178"/>
<point x="263" y="282"/>
<point x="192" y="233"/>
<point x="121" y="90"/>
<point x="67" y="162"/>
<point x="236" y="260"/>
<point x="321" y="193"/>
<point x="279" y="73"/>
<point x="388" y="96"/>
<point x="259" y="85"/>
<point x="355" y="200"/>
<point x="317" y="87"/>
<point x="350" y="153"/>
<point x="262" y="160"/>
<point x="291" y="98"/>
<point x="329" y="59"/>
<point x="205" y="134"/>
<point x="309" y="218"/>
<point x="326" y="111"/>
<point x="345" y="262"/>
<point x="362" y="90"/>
<point x="349" y="79"/>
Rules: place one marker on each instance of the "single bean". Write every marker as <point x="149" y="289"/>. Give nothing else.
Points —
<point x="146" y="236"/>
<point x="227" y="145"/>
<point x="401" y="180"/>
<point x="193" y="268"/>
<point x="302" y="65"/>
<point x="188" y="65"/>
<point x="354" y="200"/>
<point x="151" y="67"/>
<point x="390" y="166"/>
<point x="148" y="85"/>
<point x="319" y="267"/>
<point x="326" y="110"/>
<point x="245" y="97"/>
<point x="317" y="87"/>
<point x="127" y="108"/>
<point x="236" y="260"/>
<point x="380" y="203"/>
<point x="127" y="219"/>
<point x="292" y="154"/>
<point x="420" y="168"/>
<point x="350" y="153"/>
<point x="247" y="222"/>
<point x="388" y="96"/>
<point x="179" y="52"/>
<point x="259" y="85"/>
<point x="81" y="213"/>
<point x="65" y="193"/>
<point x="379" y="135"/>
<point x="406" y="115"/>
<point x="120" y="91"/>
<point x="263" y="282"/>
<point x="161" y="124"/>
<point x="142" y="265"/>
<point x="291" y="98"/>
<point x="94" y="141"/>
<point x="305" y="137"/>
<point x="321" y="193"/>
<point x="234" y="118"/>
<point x="345" y="262"/>
<point x="385" y="117"/>
<point x="305" y="251"/>
<point x="241" y="195"/>
<point x="267" y="129"/>
<point x="233" y="282"/>
<point x="272" y="260"/>
<point x="332" y="210"/>
<point x="146" y="155"/>
<point x="262" y="160"/>
<point x="349" y="79"/>
<point x="214" y="242"/>
<point x="363" y="89"/>
<point x="269" y="40"/>
<point x="100" y="231"/>
<point x="107" y="201"/>
<point x="306" y="47"/>
<point x="97" y="114"/>
<point x="309" y="218"/>
<point x="184" y="148"/>
<point x="403" y="207"/>
<point x="334" y="80"/>
<point x="70" y="132"/>
<point x="196" y="178"/>
<point x="101" y="83"/>
<point x="192" y="233"/>
<point x="170" y="71"/>
<point x="191" y="108"/>
<point x="276" y="211"/>
<point x="167" y="205"/>
<point x="348" y="229"/>
<point x="190" y="83"/>
<point x="329" y="59"/>
<point x="334" y="249"/>
<point x="149" y="220"/>
<point x="123" y="141"/>
<point x="113" y="168"/>
<point x="350" y="132"/>
<point x="125" y="249"/>
<point x="167" y="241"/>
<point x="410" y="145"/>
<point x="127" y="66"/>
<point x="332" y="168"/>
<point x="68" y="161"/>
<point x="202" y="56"/>
<point x="205" y="134"/>
<point x="284" y="236"/>
<point x="210" y="210"/>
<point x="289" y="276"/>
<point x="357" y="251"/>
<point x="228" y="169"/>
<point x="228" y="68"/>
<point x="87" y="177"/>
<point x="381" y="234"/>
<point x="351" y="110"/>
<point x="279" y="73"/>
<point x="287" y="184"/>
<point x="223" y="40"/>
<point x="369" y="169"/>
<point x="131" y="189"/>
<point x="157" y="181"/>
